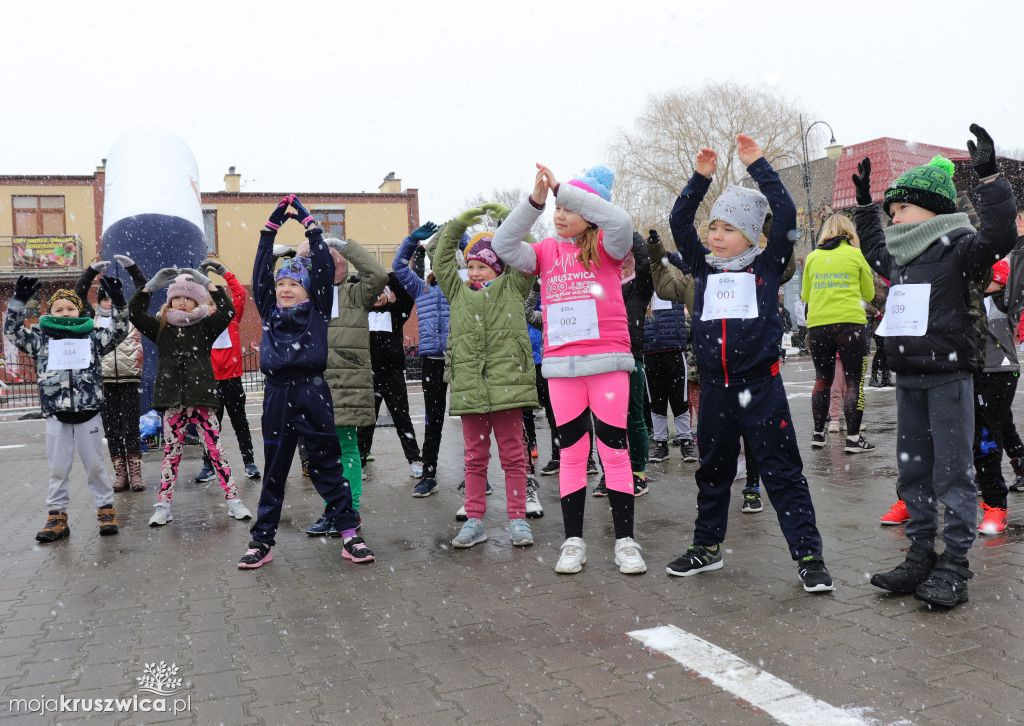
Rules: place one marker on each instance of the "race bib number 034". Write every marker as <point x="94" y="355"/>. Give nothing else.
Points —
<point x="69" y="354"/>
<point x="730" y="295"/>
<point x="571" y="322"/>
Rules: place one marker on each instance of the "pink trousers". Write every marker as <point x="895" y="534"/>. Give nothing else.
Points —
<point x="508" y="432"/>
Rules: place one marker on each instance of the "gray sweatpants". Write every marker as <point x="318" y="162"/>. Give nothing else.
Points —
<point x="61" y="441"/>
<point x="935" y="435"/>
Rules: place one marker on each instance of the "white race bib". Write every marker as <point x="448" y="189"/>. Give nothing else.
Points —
<point x="69" y="354"/>
<point x="335" y="308"/>
<point x="106" y="322"/>
<point x="223" y="340"/>
<point x="570" y="322"/>
<point x="906" y="310"/>
<point x="380" y="322"/>
<point x="658" y="304"/>
<point x="730" y="295"/>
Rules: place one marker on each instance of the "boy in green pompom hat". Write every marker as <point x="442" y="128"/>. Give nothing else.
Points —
<point x="935" y="260"/>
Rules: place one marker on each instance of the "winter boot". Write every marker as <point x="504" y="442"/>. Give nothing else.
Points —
<point x="56" y="527"/>
<point x="887" y="380"/>
<point x="135" y="472"/>
<point x="107" y="517"/>
<point x="946" y="586"/>
<point x="120" y="473"/>
<point x="909" y="574"/>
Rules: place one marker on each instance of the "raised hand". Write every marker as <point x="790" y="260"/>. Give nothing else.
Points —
<point x="162" y="278"/>
<point x="747" y="149"/>
<point x="114" y="289"/>
<point x="284" y="251"/>
<point x="706" y="162"/>
<point x="497" y="211"/>
<point x="425" y="231"/>
<point x="196" y="276"/>
<point x="214" y="265"/>
<point x="983" y="153"/>
<point x="99" y="266"/>
<point x="125" y="261"/>
<point x="302" y="214"/>
<point x="280" y="214"/>
<point x="470" y="216"/>
<point x="539" y="195"/>
<point x="25" y="287"/>
<point x="549" y="176"/>
<point x="862" y="182"/>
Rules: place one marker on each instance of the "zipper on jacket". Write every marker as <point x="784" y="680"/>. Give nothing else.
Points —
<point x="725" y="368"/>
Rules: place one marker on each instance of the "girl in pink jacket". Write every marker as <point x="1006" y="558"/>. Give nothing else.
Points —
<point x="587" y="358"/>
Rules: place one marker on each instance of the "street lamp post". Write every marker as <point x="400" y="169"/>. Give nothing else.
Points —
<point x="832" y="151"/>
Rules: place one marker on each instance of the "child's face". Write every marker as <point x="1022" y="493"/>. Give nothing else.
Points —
<point x="290" y="292"/>
<point x="569" y="224"/>
<point x="64" y="309"/>
<point x="904" y="213"/>
<point x="480" y="273"/>
<point x="183" y="303"/>
<point x="106" y="304"/>
<point x="724" y="240"/>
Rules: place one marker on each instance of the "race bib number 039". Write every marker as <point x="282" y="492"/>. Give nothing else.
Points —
<point x="906" y="310"/>
<point x="730" y="295"/>
<point x="571" y="322"/>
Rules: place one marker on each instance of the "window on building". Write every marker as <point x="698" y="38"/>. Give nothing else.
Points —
<point x="36" y="216"/>
<point x="332" y="221"/>
<point x="210" y="230"/>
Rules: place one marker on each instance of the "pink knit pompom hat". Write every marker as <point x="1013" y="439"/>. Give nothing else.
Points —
<point x="184" y="286"/>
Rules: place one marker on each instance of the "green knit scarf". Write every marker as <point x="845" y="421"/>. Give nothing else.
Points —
<point x="68" y="326"/>
<point x="907" y="241"/>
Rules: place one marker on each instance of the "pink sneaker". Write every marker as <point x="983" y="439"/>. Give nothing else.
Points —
<point x="255" y="557"/>
<point x="357" y="551"/>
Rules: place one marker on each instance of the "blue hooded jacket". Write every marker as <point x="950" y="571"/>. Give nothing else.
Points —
<point x="432" y="310"/>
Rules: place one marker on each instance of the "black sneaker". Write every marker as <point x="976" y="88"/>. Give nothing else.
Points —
<point x="425" y="487"/>
<point x="678" y="441"/>
<point x="551" y="467"/>
<point x="320" y="527"/>
<point x="857" y="445"/>
<point x="909" y="574"/>
<point x="252" y="471"/>
<point x="1017" y="485"/>
<point x="814" y="575"/>
<point x="659" y="452"/>
<point x="688" y="450"/>
<point x="639" y="486"/>
<point x="592" y="466"/>
<point x="946" y="585"/>
<point x="256" y="556"/>
<point x="818" y="439"/>
<point x="601" y="490"/>
<point x="697" y="558"/>
<point x="462" y="490"/>
<point x="752" y="502"/>
<point x="205" y="474"/>
<point x="356" y="550"/>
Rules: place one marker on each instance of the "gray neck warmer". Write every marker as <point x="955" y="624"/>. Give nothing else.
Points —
<point x="740" y="262"/>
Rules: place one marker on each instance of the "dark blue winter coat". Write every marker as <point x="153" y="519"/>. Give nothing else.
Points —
<point x="738" y="351"/>
<point x="666" y="330"/>
<point x="431" y="305"/>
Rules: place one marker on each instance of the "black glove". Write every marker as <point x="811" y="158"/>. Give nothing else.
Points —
<point x="301" y="213"/>
<point x="862" y="182"/>
<point x="983" y="153"/>
<point x="217" y="267"/>
<point x="284" y="251"/>
<point x="653" y="238"/>
<point x="26" y="287"/>
<point x="114" y="289"/>
<point x="279" y="215"/>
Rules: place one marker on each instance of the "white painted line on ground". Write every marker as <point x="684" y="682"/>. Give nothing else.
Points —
<point x="13" y="446"/>
<point x="774" y="696"/>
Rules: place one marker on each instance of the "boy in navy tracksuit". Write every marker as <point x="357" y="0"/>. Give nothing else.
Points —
<point x="736" y="333"/>
<point x="295" y="305"/>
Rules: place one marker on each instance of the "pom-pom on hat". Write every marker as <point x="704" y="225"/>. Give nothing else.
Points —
<point x="929" y="186"/>
<point x="185" y="286"/>
<point x="745" y="209"/>
<point x="1001" y="272"/>
<point x="596" y="180"/>
<point x="71" y="296"/>
<point x="296" y="269"/>
<point x="479" y="248"/>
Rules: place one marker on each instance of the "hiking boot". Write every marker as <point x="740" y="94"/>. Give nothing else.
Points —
<point x="161" y="514"/>
<point x="639" y="486"/>
<point x="857" y="445"/>
<point x="520" y="533"/>
<point x="946" y="585"/>
<point x="120" y="473"/>
<point x="688" y="450"/>
<point x="107" y="517"/>
<point x="659" y="452"/>
<point x="56" y="527"/>
<point x="252" y="471"/>
<point x="355" y="549"/>
<point x="814" y="575"/>
<point x="628" y="557"/>
<point x="601" y="490"/>
<point x="906" y="576"/>
<point x="305" y="469"/>
<point x="551" y="467"/>
<point x="205" y="474"/>
<point x="818" y="439"/>
<point x="697" y="558"/>
<point x="256" y="556"/>
<point x="135" y="472"/>
<point x="237" y="510"/>
<point x="994" y="521"/>
<point x="897" y="514"/>
<point x="534" y="509"/>
<point x="592" y="466"/>
<point x="472" y="533"/>
<point x="425" y="487"/>
<point x="752" y="502"/>
<point x="572" y="556"/>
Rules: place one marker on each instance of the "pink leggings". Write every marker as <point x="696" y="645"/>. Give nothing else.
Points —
<point x="176" y="420"/>
<point x="508" y="432"/>
<point x="606" y="395"/>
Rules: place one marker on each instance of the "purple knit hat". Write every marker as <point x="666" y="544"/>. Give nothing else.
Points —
<point x="480" y="249"/>
<point x="296" y="269"/>
<point x="184" y="286"/>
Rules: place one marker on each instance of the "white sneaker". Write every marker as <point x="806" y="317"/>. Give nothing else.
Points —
<point x="161" y="514"/>
<point x="572" y="556"/>
<point x="237" y="510"/>
<point x="628" y="557"/>
<point x="533" y="507"/>
<point x="833" y="427"/>
<point x="416" y="470"/>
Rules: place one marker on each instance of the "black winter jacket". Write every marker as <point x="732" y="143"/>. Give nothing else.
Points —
<point x="387" y="350"/>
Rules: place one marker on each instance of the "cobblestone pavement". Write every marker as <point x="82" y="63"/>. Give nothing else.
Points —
<point x="492" y="634"/>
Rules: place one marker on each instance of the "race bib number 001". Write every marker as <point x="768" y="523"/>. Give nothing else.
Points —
<point x="571" y="322"/>
<point x="70" y="354"/>
<point x="223" y="340"/>
<point x="730" y="295"/>
<point x="906" y="310"/>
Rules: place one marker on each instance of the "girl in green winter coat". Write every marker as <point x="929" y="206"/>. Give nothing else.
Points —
<point x="491" y="370"/>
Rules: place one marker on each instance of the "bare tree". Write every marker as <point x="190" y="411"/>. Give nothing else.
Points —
<point x="510" y="197"/>
<point x="654" y="161"/>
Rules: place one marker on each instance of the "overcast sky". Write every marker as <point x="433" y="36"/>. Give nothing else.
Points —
<point x="457" y="98"/>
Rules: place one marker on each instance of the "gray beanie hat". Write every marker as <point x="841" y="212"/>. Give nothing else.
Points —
<point x="745" y="209"/>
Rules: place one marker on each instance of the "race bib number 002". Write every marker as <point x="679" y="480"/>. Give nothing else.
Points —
<point x="730" y="295"/>
<point x="906" y="310"/>
<point x="571" y="322"/>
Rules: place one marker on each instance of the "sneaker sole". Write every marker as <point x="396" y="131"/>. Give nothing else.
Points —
<point x="160" y="524"/>
<point x="597" y="493"/>
<point x="534" y="515"/>
<point x="548" y="473"/>
<point x="820" y="588"/>
<point x="358" y="560"/>
<point x="316" y="534"/>
<point x="107" y="532"/>
<point x="991" y="532"/>
<point x="635" y="570"/>
<point x="751" y="510"/>
<point x="253" y="477"/>
<point x="706" y="568"/>
<point x="856" y="450"/>
<point x="885" y="523"/>
<point x="522" y="543"/>
<point x="465" y="546"/>
<point x="48" y="540"/>
<point x="640" y="492"/>
<point x="422" y="495"/>
<point x="197" y="480"/>
<point x="256" y="565"/>
<point x="690" y="459"/>
<point x="243" y="518"/>
<point x="653" y="460"/>
<point x="578" y="569"/>
<point x="942" y="604"/>
<point x="817" y="444"/>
